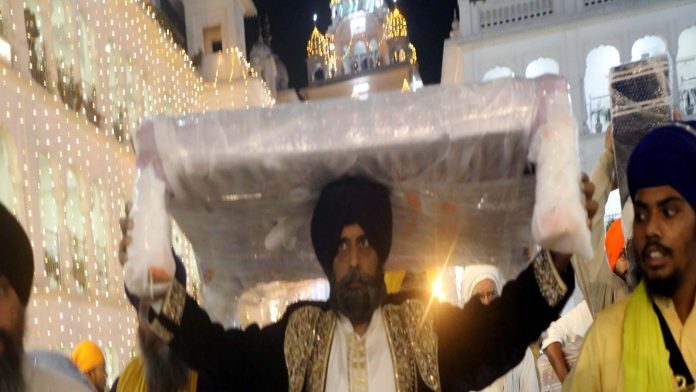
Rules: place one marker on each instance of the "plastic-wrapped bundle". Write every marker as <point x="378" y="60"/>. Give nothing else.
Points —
<point x="460" y="161"/>
<point x="641" y="96"/>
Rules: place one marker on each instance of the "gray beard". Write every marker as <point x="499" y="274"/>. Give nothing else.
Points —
<point x="11" y="376"/>
<point x="164" y="370"/>
<point x="358" y="304"/>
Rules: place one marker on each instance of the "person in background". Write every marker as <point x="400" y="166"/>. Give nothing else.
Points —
<point x="565" y="335"/>
<point x="59" y="363"/>
<point x="485" y="283"/>
<point x="614" y="245"/>
<point x="600" y="287"/>
<point x="158" y="368"/>
<point x="17" y="374"/>
<point x="564" y="339"/>
<point x="89" y="358"/>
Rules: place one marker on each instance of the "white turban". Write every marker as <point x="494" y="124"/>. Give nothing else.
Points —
<point x="473" y="274"/>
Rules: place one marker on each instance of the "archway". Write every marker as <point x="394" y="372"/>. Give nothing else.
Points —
<point x="10" y="177"/>
<point x="686" y="70"/>
<point x="75" y="220"/>
<point x="48" y="212"/>
<point x="598" y="63"/>
<point x="498" y="72"/>
<point x="542" y="66"/>
<point x="648" y="46"/>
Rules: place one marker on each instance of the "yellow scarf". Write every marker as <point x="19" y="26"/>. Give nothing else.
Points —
<point x="645" y="357"/>
<point x="132" y="378"/>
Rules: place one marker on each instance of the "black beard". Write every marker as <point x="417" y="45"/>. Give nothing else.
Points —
<point x="164" y="370"/>
<point x="11" y="377"/>
<point x="358" y="303"/>
<point x="665" y="287"/>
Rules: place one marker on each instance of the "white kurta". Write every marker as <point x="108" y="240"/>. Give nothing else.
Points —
<point x="372" y="356"/>
<point x="522" y="378"/>
<point x="570" y="327"/>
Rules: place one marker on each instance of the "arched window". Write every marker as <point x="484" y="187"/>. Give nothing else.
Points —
<point x="598" y="63"/>
<point x="360" y="55"/>
<point x="541" y="66"/>
<point x="117" y="93"/>
<point x="35" y="41"/>
<point x="686" y="70"/>
<point x="99" y="216"/>
<point x="10" y="182"/>
<point x="49" y="223"/>
<point x="69" y="86"/>
<point x="648" y="46"/>
<point x="498" y="72"/>
<point x="5" y="26"/>
<point x="75" y="220"/>
<point x="90" y="69"/>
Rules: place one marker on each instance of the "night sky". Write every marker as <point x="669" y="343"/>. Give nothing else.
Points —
<point x="429" y="24"/>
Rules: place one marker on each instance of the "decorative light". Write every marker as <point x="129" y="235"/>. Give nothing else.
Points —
<point x="148" y="74"/>
<point x="395" y="24"/>
<point x="317" y="45"/>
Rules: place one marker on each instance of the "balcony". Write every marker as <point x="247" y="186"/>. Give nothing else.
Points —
<point x="483" y="17"/>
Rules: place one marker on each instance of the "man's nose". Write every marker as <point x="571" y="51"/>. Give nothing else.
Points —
<point x="354" y="259"/>
<point x="652" y="227"/>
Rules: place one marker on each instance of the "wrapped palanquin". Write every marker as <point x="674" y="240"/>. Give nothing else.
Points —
<point x="478" y="173"/>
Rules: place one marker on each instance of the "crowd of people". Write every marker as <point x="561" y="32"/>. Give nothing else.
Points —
<point x="635" y="330"/>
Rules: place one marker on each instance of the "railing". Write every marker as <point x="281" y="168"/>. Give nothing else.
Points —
<point x="599" y="109"/>
<point x="483" y="16"/>
<point x="595" y="3"/>
<point x="79" y="266"/>
<point x="688" y="98"/>
<point x="513" y="12"/>
<point x="51" y="260"/>
<point x="102" y="270"/>
<point x="687" y="85"/>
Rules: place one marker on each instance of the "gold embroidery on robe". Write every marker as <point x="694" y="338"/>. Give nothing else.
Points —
<point x="412" y="340"/>
<point x="299" y="343"/>
<point x="400" y="344"/>
<point x="423" y="340"/>
<point x="322" y="348"/>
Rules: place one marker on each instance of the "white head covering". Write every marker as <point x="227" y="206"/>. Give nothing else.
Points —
<point x="473" y="274"/>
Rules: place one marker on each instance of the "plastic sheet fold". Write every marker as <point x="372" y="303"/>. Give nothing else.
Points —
<point x="462" y="163"/>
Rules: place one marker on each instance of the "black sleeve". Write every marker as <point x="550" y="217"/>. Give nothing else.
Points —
<point x="479" y="343"/>
<point x="114" y="386"/>
<point x="232" y="359"/>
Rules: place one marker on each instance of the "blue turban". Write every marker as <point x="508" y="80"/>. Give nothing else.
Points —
<point x="666" y="156"/>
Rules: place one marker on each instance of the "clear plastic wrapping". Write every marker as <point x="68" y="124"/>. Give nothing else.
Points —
<point x="460" y="160"/>
<point x="641" y="99"/>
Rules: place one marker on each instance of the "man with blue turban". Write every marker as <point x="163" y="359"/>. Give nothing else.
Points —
<point x="647" y="341"/>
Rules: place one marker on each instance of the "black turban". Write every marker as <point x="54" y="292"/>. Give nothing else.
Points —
<point x="17" y="260"/>
<point x="351" y="200"/>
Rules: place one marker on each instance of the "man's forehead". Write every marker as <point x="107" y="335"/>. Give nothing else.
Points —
<point x="657" y="195"/>
<point x="352" y="230"/>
